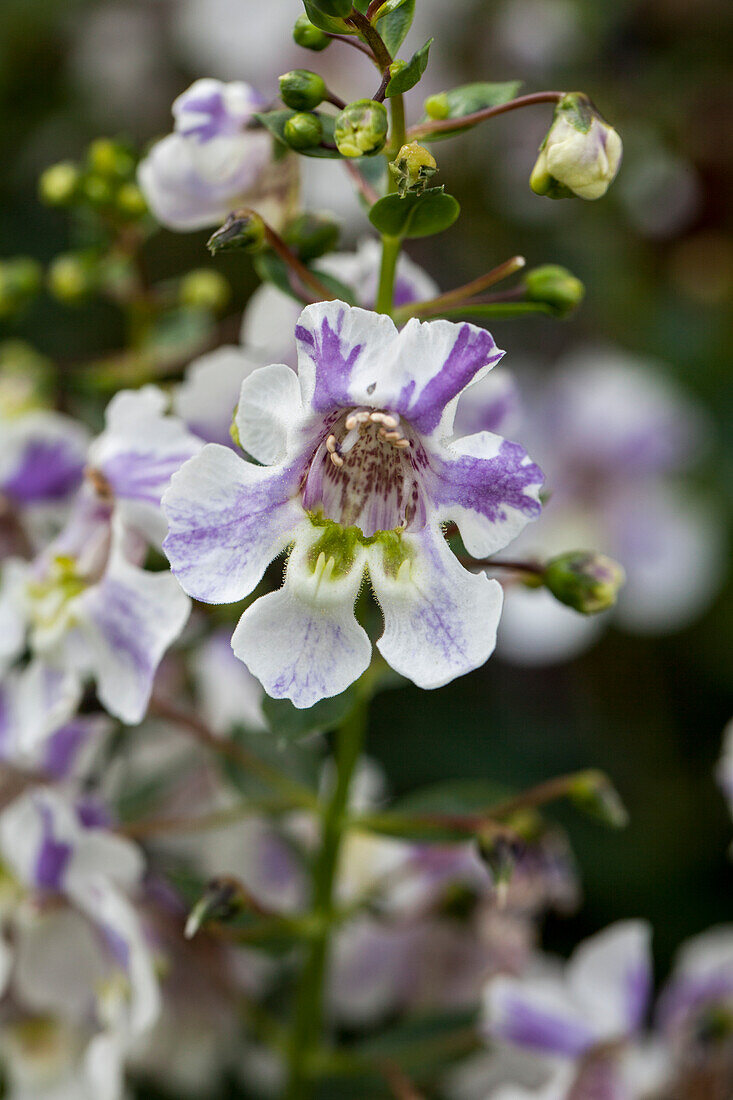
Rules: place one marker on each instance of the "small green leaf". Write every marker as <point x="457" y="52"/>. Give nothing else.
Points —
<point x="393" y="24"/>
<point x="329" y="23"/>
<point x="409" y="76"/>
<point x="415" y="215"/>
<point x="275" y="121"/>
<point x="272" y="269"/>
<point x="291" y="723"/>
<point x="469" y="98"/>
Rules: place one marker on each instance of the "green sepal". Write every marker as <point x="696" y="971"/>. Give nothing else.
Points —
<point x="272" y="269"/>
<point x="289" y="722"/>
<point x="410" y="75"/>
<point x="469" y="98"/>
<point x="415" y="215"/>
<point x="275" y="121"/>
<point x="393" y="21"/>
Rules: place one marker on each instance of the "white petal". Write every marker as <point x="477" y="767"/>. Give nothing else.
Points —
<point x="609" y="976"/>
<point x="440" y="620"/>
<point x="303" y="643"/>
<point x="125" y="625"/>
<point x="269" y="413"/>
<point x="268" y="325"/>
<point x="228" y="692"/>
<point x="227" y="520"/>
<point x="13" y="618"/>
<point x="207" y="398"/>
<point x="537" y="1014"/>
<point x="46" y="698"/>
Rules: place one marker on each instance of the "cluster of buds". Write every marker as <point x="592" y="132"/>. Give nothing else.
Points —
<point x="105" y="181"/>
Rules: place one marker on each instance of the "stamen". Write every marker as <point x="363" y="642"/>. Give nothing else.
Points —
<point x="356" y="418"/>
<point x="331" y="444"/>
<point x="336" y="459"/>
<point x="387" y="419"/>
<point x="392" y="437"/>
<point x="402" y="443"/>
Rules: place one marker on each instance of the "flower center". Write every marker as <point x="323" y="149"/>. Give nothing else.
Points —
<point x="364" y="473"/>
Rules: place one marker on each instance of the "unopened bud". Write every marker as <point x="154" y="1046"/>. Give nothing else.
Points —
<point x="98" y="190"/>
<point x="130" y="201"/>
<point x="337" y="9"/>
<point x="584" y="580"/>
<point x="311" y="235"/>
<point x="361" y="128"/>
<point x="244" y="231"/>
<point x="204" y="289"/>
<point x="499" y="853"/>
<point x="557" y="287"/>
<point x="580" y="155"/>
<point x="303" y="131"/>
<point x="223" y="899"/>
<point x="594" y="793"/>
<point x="59" y="184"/>
<point x="308" y="36"/>
<point x="111" y="159"/>
<point x="413" y="168"/>
<point x="437" y="106"/>
<point x="72" y="277"/>
<point x="302" y="90"/>
<point x="20" y="280"/>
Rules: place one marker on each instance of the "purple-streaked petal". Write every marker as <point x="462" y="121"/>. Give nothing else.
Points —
<point x="227" y="520"/>
<point x="303" y="643"/>
<point x="489" y="487"/>
<point x="125" y="624"/>
<point x="610" y="978"/>
<point x="211" y="109"/>
<point x="537" y="1015"/>
<point x="42" y="459"/>
<point x="439" y="620"/>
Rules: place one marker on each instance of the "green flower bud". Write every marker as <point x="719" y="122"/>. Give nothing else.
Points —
<point x="311" y="235"/>
<point x="557" y="287"/>
<point x="204" y="289"/>
<point x="413" y="168"/>
<point x="223" y="900"/>
<point x="20" y="280"/>
<point x="308" y="36"/>
<point x="593" y="792"/>
<point x="130" y="202"/>
<point x="303" y="131"/>
<point x="97" y="190"/>
<point x="361" y="128"/>
<point x="437" y="106"/>
<point x="302" y="90"/>
<point x="108" y="158"/>
<point x="584" y="580"/>
<point x="59" y="184"/>
<point x="337" y="9"/>
<point x="243" y="231"/>
<point x="72" y="277"/>
<point x="580" y="155"/>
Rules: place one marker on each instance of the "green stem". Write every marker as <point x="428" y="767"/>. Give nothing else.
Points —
<point x="391" y="245"/>
<point x="308" y="1022"/>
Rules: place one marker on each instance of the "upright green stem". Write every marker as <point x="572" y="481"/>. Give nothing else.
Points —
<point x="391" y="245"/>
<point x="308" y="1022"/>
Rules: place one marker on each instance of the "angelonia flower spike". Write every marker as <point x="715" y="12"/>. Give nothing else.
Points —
<point x="222" y="539"/>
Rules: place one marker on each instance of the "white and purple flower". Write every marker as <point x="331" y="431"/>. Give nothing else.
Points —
<point x="215" y="160"/>
<point x="587" y="1016"/>
<point x="360" y="475"/>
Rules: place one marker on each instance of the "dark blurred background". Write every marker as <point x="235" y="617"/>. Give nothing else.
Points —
<point x="657" y="259"/>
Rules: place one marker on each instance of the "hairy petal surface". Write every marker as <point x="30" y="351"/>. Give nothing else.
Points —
<point x="303" y="643"/>
<point x="440" y="620"/>
<point x="227" y="520"/>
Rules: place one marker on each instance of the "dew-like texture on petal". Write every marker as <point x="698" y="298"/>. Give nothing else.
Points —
<point x="125" y="625"/>
<point x="207" y="398"/>
<point x="227" y="520"/>
<point x="303" y="643"/>
<point x="349" y="356"/>
<point x="489" y="487"/>
<point x="269" y="413"/>
<point x="538" y="1014"/>
<point x="440" y="620"/>
<point x="610" y="978"/>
